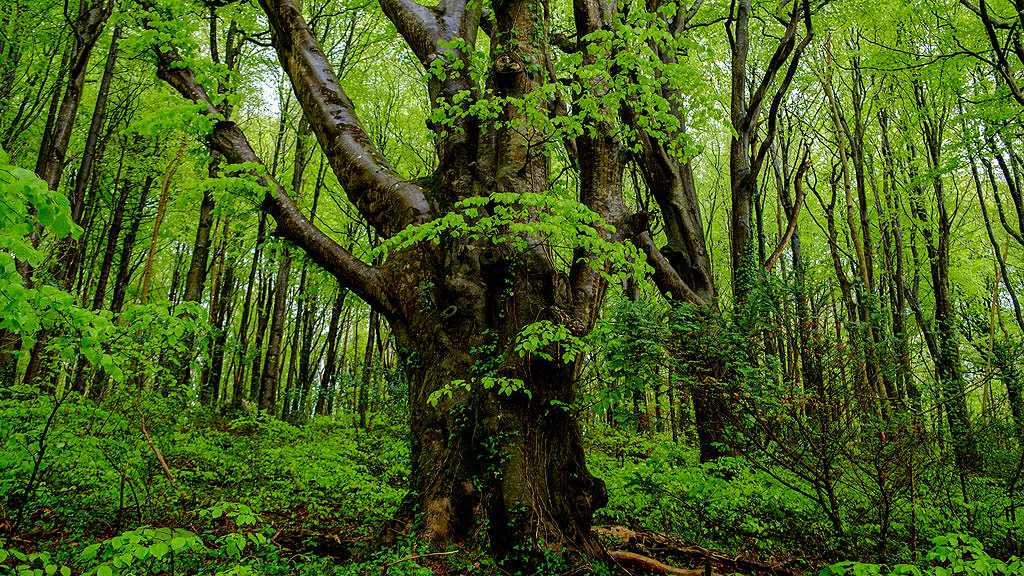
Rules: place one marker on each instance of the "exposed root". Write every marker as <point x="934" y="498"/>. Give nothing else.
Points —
<point x="633" y="548"/>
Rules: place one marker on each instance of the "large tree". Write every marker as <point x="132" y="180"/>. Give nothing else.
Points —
<point x="495" y="453"/>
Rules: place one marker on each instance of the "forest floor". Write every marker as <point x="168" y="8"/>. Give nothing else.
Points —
<point x="260" y="496"/>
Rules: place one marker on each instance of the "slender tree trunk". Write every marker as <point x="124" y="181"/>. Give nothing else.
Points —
<point x="271" y="364"/>
<point x="292" y="349"/>
<point x="238" y="390"/>
<point x="122" y="279"/>
<point x="69" y="257"/>
<point x="87" y="27"/>
<point x="326" y="390"/>
<point x="946" y="355"/>
<point x="367" y="371"/>
<point x="899" y="303"/>
<point x="113" y="235"/>
<point x="51" y="115"/>
<point x="263" y="304"/>
<point x="861" y="328"/>
<point x="195" y="280"/>
<point x="221" y="320"/>
<point x="161" y="208"/>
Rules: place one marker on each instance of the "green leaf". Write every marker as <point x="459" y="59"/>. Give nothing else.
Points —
<point x="90" y="551"/>
<point x="159" y="549"/>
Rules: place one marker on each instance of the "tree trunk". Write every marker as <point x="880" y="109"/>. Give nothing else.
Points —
<point x="271" y="365"/>
<point x="895" y="261"/>
<point x="869" y="387"/>
<point x="68" y="252"/>
<point x="113" y="235"/>
<point x="86" y="28"/>
<point x="161" y="207"/>
<point x="367" y="370"/>
<point x="946" y="353"/>
<point x="195" y="280"/>
<point x="263" y="306"/>
<point x="220" y="321"/>
<point x="327" y="391"/>
<point x="124" y="268"/>
<point x="238" y="389"/>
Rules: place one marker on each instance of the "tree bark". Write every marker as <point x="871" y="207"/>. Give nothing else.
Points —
<point x="113" y="235"/>
<point x="68" y="252"/>
<point x="263" y="306"/>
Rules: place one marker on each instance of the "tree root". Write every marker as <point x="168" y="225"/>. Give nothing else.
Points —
<point x="633" y="548"/>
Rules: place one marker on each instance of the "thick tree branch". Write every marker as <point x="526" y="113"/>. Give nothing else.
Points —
<point x="665" y="276"/>
<point x="431" y="33"/>
<point x="602" y="160"/>
<point x="779" y="57"/>
<point x="227" y="138"/>
<point x="387" y="201"/>
<point x="791" y="227"/>
<point x="416" y="23"/>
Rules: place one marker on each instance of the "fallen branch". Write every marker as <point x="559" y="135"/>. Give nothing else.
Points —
<point x="649" y="543"/>
<point x="639" y="561"/>
<point x="416" y="557"/>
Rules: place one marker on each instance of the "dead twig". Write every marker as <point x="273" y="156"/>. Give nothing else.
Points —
<point x="159" y="456"/>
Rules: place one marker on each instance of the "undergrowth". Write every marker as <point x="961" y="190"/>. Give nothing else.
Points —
<point x="82" y="491"/>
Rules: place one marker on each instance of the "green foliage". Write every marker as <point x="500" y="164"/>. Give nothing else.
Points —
<point x="950" y="554"/>
<point x="28" y="210"/>
<point x="504" y="386"/>
<point x="658" y="486"/>
<point x="153" y="549"/>
<point x="515" y="221"/>
<point x="18" y="563"/>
